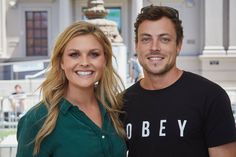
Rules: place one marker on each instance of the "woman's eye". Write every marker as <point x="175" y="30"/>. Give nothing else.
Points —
<point x="74" y="55"/>
<point x="94" y="54"/>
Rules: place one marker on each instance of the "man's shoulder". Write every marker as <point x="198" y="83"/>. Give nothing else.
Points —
<point x="197" y="78"/>
<point x="133" y="87"/>
<point x="197" y="81"/>
<point x="132" y="92"/>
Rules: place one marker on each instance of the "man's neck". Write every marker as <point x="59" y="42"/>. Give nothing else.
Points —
<point x="156" y="82"/>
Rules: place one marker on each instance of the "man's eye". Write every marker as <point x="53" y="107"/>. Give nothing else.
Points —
<point x="145" y="40"/>
<point x="164" y="40"/>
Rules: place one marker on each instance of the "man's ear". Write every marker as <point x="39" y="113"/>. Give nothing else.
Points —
<point x="179" y="46"/>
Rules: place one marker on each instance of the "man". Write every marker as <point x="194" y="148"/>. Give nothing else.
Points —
<point x="171" y="112"/>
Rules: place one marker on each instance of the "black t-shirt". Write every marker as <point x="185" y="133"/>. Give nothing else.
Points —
<point x="182" y="120"/>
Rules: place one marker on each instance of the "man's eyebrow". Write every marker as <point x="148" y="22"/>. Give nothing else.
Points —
<point x="160" y="35"/>
<point x="164" y="34"/>
<point x="145" y="34"/>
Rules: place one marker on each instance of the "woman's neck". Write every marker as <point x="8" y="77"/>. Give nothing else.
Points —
<point x="80" y="97"/>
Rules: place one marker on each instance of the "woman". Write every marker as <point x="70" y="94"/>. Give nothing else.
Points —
<point x="78" y="114"/>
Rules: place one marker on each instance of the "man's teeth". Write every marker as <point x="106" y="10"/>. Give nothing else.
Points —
<point x="84" y="73"/>
<point x="155" y="58"/>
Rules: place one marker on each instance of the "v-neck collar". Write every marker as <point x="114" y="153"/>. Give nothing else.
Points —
<point x="66" y="106"/>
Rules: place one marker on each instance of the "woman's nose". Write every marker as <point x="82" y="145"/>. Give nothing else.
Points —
<point x="83" y="61"/>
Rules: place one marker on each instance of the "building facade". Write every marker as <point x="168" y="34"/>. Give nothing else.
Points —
<point x="28" y="29"/>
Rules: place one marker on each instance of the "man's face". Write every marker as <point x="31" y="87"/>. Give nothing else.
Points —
<point x="156" y="46"/>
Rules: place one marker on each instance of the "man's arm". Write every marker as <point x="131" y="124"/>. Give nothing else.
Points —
<point x="226" y="150"/>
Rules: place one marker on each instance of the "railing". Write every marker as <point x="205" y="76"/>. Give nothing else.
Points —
<point x="8" y="118"/>
<point x="21" y="69"/>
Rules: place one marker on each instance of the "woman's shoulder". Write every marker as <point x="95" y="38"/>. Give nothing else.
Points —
<point x="38" y="111"/>
<point x="29" y="125"/>
<point x="35" y="116"/>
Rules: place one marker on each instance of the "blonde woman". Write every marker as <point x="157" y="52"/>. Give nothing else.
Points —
<point x="79" y="111"/>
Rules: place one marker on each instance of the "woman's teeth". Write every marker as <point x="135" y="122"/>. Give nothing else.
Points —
<point x="84" y="73"/>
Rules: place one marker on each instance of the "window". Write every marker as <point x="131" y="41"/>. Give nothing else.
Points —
<point x="36" y="26"/>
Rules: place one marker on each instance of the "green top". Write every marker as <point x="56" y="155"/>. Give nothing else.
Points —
<point x="75" y="135"/>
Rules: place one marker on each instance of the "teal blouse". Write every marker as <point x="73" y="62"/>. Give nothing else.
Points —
<point x="75" y="135"/>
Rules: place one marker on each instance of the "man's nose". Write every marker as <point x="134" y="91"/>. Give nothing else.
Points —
<point x="155" y="45"/>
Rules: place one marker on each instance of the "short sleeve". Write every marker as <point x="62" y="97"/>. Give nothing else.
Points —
<point x="220" y="125"/>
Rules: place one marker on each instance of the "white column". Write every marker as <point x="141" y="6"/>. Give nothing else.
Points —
<point x="120" y="60"/>
<point x="2" y="28"/>
<point x="232" y="27"/>
<point x="136" y="8"/>
<point x="214" y="27"/>
<point x="65" y="14"/>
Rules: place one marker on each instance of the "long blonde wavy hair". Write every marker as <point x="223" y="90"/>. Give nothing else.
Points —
<point x="108" y="90"/>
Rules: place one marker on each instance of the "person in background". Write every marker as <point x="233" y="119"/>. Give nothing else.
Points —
<point x="81" y="101"/>
<point x="17" y="100"/>
<point x="135" y="70"/>
<point x="172" y="112"/>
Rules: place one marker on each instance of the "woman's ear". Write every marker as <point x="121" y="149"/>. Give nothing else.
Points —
<point x="62" y="64"/>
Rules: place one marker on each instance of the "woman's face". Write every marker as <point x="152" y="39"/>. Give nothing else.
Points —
<point x="83" y="61"/>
